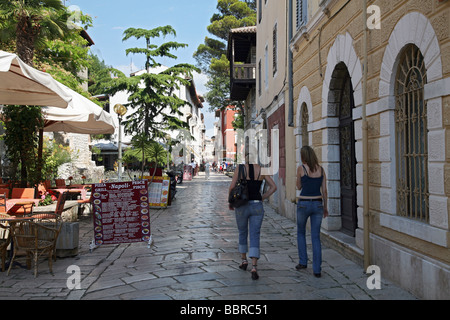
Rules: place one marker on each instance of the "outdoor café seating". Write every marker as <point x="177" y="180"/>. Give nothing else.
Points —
<point x="36" y="235"/>
<point x="60" y="183"/>
<point x="5" y="239"/>
<point x="52" y="219"/>
<point x="36" y="239"/>
<point x="5" y="191"/>
<point x="21" y="202"/>
<point x="3" y="197"/>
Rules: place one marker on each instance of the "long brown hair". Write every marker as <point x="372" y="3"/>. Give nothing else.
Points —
<point x="309" y="157"/>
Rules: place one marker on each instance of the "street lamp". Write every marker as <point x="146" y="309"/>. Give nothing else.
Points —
<point x="169" y="141"/>
<point x="121" y="110"/>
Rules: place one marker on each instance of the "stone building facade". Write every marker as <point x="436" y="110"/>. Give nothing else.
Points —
<point x="408" y="116"/>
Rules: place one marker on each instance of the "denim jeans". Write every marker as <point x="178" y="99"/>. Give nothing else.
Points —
<point x="314" y="211"/>
<point x="249" y="219"/>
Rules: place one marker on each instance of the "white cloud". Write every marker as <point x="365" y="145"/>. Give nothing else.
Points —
<point x="200" y="81"/>
<point x="127" y="69"/>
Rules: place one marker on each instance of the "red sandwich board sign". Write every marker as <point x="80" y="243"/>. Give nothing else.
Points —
<point x="121" y="212"/>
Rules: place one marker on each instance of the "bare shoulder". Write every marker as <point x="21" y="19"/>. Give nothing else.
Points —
<point x="257" y="169"/>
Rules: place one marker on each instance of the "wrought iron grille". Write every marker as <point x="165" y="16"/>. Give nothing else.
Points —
<point x="411" y="136"/>
<point x="304" y="125"/>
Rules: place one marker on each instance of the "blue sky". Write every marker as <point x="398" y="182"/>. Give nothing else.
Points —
<point x="112" y="17"/>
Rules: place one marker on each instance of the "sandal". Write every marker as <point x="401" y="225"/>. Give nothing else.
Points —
<point x="255" y="275"/>
<point x="244" y="265"/>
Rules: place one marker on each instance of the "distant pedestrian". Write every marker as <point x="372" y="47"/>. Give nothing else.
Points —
<point x="207" y="168"/>
<point x="249" y="217"/>
<point x="312" y="182"/>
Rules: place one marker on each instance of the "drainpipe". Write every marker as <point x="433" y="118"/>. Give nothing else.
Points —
<point x="290" y="75"/>
<point x="366" y="214"/>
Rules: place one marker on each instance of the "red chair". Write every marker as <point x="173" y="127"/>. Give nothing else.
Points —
<point x="60" y="183"/>
<point x="22" y="193"/>
<point x="3" y="196"/>
<point x="22" y="209"/>
<point x="5" y="191"/>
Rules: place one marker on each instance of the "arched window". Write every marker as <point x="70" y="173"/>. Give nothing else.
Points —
<point x="304" y="125"/>
<point x="411" y="136"/>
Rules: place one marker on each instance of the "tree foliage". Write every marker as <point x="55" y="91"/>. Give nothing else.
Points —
<point x="21" y="125"/>
<point x="100" y="75"/>
<point x="211" y="55"/>
<point x="30" y="23"/>
<point x="155" y="108"/>
<point x="38" y="31"/>
<point x="146" y="150"/>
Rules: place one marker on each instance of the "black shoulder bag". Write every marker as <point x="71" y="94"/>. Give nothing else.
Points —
<point x="239" y="194"/>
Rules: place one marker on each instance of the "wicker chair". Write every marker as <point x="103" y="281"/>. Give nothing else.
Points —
<point x="52" y="220"/>
<point x="5" y="239"/>
<point x="36" y="238"/>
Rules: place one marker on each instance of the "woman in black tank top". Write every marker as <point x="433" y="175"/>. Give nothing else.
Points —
<point x="250" y="216"/>
<point x="312" y="205"/>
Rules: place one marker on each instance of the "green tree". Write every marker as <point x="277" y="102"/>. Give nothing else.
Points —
<point x="30" y="22"/>
<point x="211" y="55"/>
<point x="21" y="125"/>
<point x="54" y="156"/>
<point x="155" y="108"/>
<point x="146" y="150"/>
<point x="32" y="26"/>
<point x="100" y="75"/>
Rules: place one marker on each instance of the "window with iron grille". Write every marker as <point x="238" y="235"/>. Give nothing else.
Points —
<point x="411" y="136"/>
<point x="274" y="38"/>
<point x="302" y="13"/>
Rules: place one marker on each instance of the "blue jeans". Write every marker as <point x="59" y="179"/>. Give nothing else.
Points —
<point x="249" y="219"/>
<point x="314" y="211"/>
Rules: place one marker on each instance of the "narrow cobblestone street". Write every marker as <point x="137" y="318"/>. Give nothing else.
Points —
<point x="194" y="256"/>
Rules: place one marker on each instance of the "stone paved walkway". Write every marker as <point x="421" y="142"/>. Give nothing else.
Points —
<point x="194" y="256"/>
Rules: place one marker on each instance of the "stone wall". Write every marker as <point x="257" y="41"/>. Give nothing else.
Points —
<point x="82" y="164"/>
<point x="396" y="242"/>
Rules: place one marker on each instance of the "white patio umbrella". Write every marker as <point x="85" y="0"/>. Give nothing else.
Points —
<point x="21" y="84"/>
<point x="81" y="116"/>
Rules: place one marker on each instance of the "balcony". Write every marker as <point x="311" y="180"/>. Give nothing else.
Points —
<point x="244" y="72"/>
<point x="241" y="54"/>
<point x="243" y="78"/>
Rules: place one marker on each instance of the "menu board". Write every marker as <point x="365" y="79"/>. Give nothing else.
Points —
<point x="121" y="212"/>
<point x="158" y="191"/>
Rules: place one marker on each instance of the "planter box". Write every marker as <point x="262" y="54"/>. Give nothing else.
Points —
<point x="67" y="243"/>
